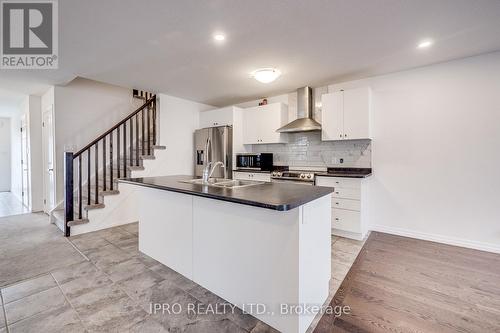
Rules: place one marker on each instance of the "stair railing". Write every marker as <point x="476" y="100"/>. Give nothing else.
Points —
<point x="135" y="133"/>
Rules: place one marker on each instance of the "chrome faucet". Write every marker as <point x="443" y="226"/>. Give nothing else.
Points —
<point x="207" y="171"/>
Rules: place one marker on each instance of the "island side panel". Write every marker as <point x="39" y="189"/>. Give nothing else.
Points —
<point x="165" y="228"/>
<point x="315" y="255"/>
<point x="248" y="255"/>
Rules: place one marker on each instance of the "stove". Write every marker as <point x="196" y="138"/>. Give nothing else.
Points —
<point x="293" y="176"/>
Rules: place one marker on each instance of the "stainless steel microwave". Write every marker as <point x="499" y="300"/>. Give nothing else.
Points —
<point x="262" y="161"/>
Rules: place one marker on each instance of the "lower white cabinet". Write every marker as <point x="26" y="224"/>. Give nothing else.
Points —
<point x="346" y="220"/>
<point x="256" y="176"/>
<point x="348" y="205"/>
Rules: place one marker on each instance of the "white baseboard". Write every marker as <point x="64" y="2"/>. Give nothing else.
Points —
<point x="438" y="238"/>
<point x="348" y="234"/>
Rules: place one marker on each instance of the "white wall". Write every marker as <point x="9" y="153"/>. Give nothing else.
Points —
<point x="436" y="152"/>
<point x="179" y="118"/>
<point x="5" y="154"/>
<point x="84" y="109"/>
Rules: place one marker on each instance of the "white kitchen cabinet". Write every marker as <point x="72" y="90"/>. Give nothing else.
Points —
<point x="346" y="220"/>
<point x="255" y="176"/>
<point x="261" y="122"/>
<point x="217" y="117"/>
<point x="349" y="201"/>
<point x="345" y="114"/>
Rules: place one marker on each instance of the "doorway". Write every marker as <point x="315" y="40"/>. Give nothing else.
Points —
<point x="49" y="178"/>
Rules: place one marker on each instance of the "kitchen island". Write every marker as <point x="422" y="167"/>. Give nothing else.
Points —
<point x="265" y="243"/>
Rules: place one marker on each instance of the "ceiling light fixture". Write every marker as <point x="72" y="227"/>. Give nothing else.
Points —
<point x="266" y="75"/>
<point x="219" y="37"/>
<point x="425" y="43"/>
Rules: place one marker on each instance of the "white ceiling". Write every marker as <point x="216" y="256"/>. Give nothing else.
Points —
<point x="167" y="46"/>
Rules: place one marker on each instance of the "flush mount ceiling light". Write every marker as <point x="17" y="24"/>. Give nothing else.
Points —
<point x="266" y="75"/>
<point x="219" y="37"/>
<point x="425" y="43"/>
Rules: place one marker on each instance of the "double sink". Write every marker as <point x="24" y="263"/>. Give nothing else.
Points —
<point x="222" y="182"/>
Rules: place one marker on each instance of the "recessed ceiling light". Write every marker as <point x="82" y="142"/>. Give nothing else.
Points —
<point x="219" y="37"/>
<point x="266" y="75"/>
<point x="425" y="43"/>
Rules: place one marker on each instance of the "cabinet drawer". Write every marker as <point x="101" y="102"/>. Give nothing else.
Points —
<point x="338" y="182"/>
<point x="346" y="204"/>
<point x="346" y="220"/>
<point x="256" y="176"/>
<point x="261" y="177"/>
<point x="347" y="193"/>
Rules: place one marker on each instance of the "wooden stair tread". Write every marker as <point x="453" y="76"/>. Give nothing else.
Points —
<point x="59" y="215"/>
<point x="77" y="222"/>
<point x="94" y="206"/>
<point x="110" y="192"/>
<point x="135" y="168"/>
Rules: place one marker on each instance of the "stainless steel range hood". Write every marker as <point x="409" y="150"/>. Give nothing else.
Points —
<point x="304" y="121"/>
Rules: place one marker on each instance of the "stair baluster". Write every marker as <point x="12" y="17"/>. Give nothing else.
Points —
<point x="96" y="172"/>
<point x="117" y="153"/>
<point x="104" y="169"/>
<point x="143" y="134"/>
<point x="80" y="204"/>
<point x="88" y="177"/>
<point x="68" y="188"/>
<point x="110" y="160"/>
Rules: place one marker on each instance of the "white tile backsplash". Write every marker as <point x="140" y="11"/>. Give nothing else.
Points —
<point x="307" y="150"/>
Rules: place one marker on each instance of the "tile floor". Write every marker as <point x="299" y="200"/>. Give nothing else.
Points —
<point x="10" y="205"/>
<point x="30" y="246"/>
<point x="110" y="286"/>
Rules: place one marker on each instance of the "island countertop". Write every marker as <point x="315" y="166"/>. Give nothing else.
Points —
<point x="275" y="196"/>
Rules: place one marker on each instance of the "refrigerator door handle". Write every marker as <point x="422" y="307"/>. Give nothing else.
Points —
<point x="208" y="149"/>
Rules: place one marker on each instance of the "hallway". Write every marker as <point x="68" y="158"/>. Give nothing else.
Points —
<point x="10" y="205"/>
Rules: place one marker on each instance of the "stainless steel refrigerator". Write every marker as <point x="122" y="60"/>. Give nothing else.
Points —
<point x="214" y="144"/>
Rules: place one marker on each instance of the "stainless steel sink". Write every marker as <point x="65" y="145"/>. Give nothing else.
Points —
<point x="237" y="183"/>
<point x="211" y="181"/>
<point x="222" y="182"/>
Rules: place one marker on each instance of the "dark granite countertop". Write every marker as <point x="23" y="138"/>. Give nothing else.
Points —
<point x="276" y="196"/>
<point x="346" y="172"/>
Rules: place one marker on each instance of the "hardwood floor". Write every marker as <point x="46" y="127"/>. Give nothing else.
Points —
<point x="400" y="284"/>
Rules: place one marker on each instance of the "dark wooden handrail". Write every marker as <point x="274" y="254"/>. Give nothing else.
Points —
<point x="148" y="102"/>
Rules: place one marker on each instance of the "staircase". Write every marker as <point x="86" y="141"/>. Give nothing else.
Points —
<point x="91" y="174"/>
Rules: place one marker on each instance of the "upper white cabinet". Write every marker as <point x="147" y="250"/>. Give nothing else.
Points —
<point x="345" y="114"/>
<point x="216" y="117"/>
<point x="261" y="122"/>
